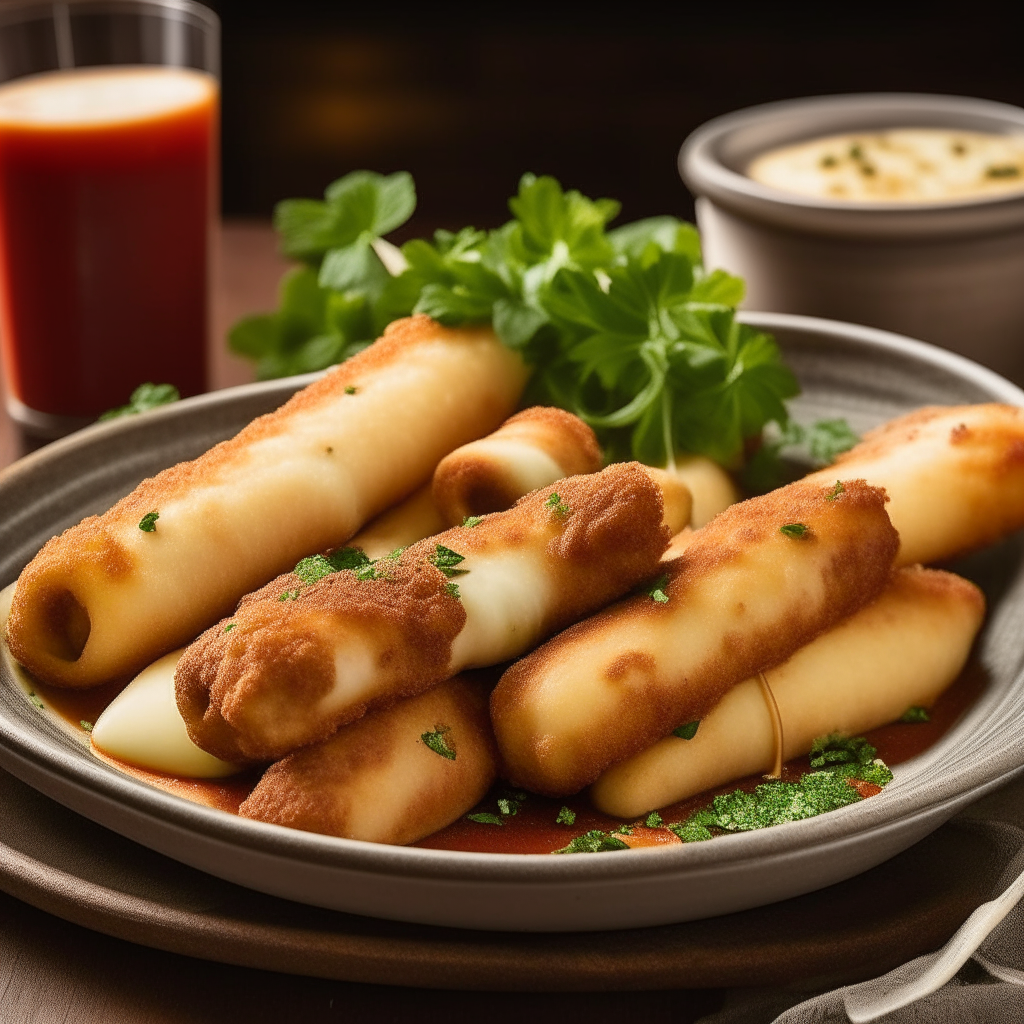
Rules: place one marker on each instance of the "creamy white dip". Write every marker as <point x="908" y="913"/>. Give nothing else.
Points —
<point x="904" y="165"/>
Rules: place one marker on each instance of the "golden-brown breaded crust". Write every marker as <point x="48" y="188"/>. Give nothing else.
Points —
<point x="233" y="688"/>
<point x="254" y="692"/>
<point x="375" y="780"/>
<point x="955" y="476"/>
<point x="473" y="481"/>
<point x="857" y="545"/>
<point x="93" y="554"/>
<point x="611" y="539"/>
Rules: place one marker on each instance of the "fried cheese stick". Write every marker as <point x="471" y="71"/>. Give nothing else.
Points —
<point x="296" y="662"/>
<point x="758" y="582"/>
<point x="107" y="597"/>
<point x="954" y="476"/>
<point x="900" y="651"/>
<point x="395" y="776"/>
<point x="711" y="487"/>
<point x="532" y="449"/>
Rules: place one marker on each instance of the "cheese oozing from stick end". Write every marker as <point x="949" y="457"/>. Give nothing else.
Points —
<point x="142" y="726"/>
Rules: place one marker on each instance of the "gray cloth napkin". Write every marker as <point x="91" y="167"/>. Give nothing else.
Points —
<point x="988" y="988"/>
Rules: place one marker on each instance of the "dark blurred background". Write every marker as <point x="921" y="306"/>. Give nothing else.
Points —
<point x="469" y="97"/>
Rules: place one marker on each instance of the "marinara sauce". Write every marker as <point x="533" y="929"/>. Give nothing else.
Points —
<point x="107" y="199"/>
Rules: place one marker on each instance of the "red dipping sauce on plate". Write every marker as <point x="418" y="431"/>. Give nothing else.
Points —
<point x="107" y="199"/>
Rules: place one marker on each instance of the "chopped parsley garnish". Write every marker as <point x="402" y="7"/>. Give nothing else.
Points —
<point x="144" y="398"/>
<point x="437" y="742"/>
<point x="452" y="590"/>
<point x="350" y="390"/>
<point x="566" y="816"/>
<point x="147" y="524"/>
<point x="915" y="715"/>
<point x="656" y="590"/>
<point x="34" y="697"/>
<point x="446" y="561"/>
<point x="840" y="760"/>
<point x="594" y="841"/>
<point x="230" y="626"/>
<point x="557" y="506"/>
<point x="87" y="726"/>
<point x="369" y="572"/>
<point x="653" y="820"/>
<point x="510" y="802"/>
<point x="836" y="491"/>
<point x="687" y="731"/>
<point x="471" y="521"/>
<point x="484" y="818"/>
<point x="290" y="595"/>
<point x="316" y="567"/>
<point x="1003" y="171"/>
<point x="795" y="530"/>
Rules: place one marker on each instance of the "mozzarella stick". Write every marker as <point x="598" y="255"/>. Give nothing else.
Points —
<point x="900" y="651"/>
<point x="532" y="449"/>
<point x="758" y="582"/>
<point x="711" y="487"/>
<point x="395" y="776"/>
<point x="954" y="476"/>
<point x="296" y="662"/>
<point x="107" y="597"/>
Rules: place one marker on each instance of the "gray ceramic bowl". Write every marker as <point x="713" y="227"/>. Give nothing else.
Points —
<point x="949" y="273"/>
<point x="864" y="375"/>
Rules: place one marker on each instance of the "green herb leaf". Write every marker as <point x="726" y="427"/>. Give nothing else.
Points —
<point x="316" y="567"/>
<point x="915" y="715"/>
<point x="484" y="818"/>
<point x="836" y="748"/>
<point x="144" y="398"/>
<point x="594" y="841"/>
<point x="796" y="530"/>
<point x="836" y="491"/>
<point x="437" y="742"/>
<point x="656" y="590"/>
<point x="147" y="524"/>
<point x="558" y="507"/>
<point x="34" y="697"/>
<point x="290" y="595"/>
<point x="351" y="389"/>
<point x="230" y="626"/>
<point x="87" y="726"/>
<point x="566" y="816"/>
<point x="687" y="731"/>
<point x="452" y="590"/>
<point x="471" y="521"/>
<point x="653" y="820"/>
<point x="446" y="561"/>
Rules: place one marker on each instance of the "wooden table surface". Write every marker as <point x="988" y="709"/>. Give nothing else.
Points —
<point x="51" y="970"/>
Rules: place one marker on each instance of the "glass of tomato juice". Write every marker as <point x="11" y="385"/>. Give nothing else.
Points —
<point x="109" y="189"/>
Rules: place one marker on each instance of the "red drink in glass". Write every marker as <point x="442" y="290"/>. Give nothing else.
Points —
<point x="107" y="203"/>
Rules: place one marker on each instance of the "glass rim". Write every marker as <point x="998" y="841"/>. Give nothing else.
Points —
<point x="176" y="10"/>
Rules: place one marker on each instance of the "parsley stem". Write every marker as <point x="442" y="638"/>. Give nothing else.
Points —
<point x="666" y="430"/>
<point x="776" y="717"/>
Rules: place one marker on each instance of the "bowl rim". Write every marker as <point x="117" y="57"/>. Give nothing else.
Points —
<point x="30" y="753"/>
<point x="706" y="173"/>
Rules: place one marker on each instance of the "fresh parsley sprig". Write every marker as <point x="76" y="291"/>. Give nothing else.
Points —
<point x="623" y="327"/>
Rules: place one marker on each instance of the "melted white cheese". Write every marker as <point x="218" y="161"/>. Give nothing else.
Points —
<point x="143" y="727"/>
<point x="506" y="596"/>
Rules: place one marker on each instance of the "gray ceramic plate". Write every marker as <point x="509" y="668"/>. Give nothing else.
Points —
<point x="865" y="375"/>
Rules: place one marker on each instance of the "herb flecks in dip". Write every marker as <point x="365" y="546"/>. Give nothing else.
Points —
<point x="904" y="165"/>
